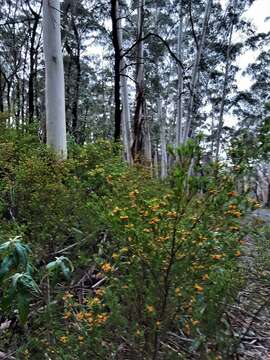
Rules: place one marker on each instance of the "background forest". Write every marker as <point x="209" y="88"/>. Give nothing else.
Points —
<point x="133" y="169"/>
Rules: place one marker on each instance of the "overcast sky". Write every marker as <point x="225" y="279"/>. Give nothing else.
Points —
<point x="257" y="13"/>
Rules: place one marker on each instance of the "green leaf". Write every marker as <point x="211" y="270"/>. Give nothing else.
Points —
<point x="23" y="307"/>
<point x="6" y="265"/>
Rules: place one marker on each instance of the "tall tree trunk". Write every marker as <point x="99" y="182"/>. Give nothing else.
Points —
<point x="124" y="93"/>
<point x="179" y="130"/>
<point x="54" y="86"/>
<point x="196" y="70"/>
<point x="75" y="105"/>
<point x="164" y="159"/>
<point x="17" y="102"/>
<point x="32" y="62"/>
<point x="138" y="142"/>
<point x="224" y="91"/>
<point x="117" y="63"/>
<point x="2" y="91"/>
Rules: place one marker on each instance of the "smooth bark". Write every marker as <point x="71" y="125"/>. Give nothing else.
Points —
<point x="179" y="122"/>
<point x="195" y="71"/>
<point x="54" y="82"/>
<point x="224" y="91"/>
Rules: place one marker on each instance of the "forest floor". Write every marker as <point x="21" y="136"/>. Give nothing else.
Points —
<point x="250" y="316"/>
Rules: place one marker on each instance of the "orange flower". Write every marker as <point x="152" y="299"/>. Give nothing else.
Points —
<point x="178" y="291"/>
<point x="238" y="253"/>
<point x="67" y="315"/>
<point x="124" y="217"/>
<point x="80" y="316"/>
<point x="232" y="193"/>
<point x="63" y="339"/>
<point x="216" y="256"/>
<point x="106" y="267"/>
<point x="172" y="214"/>
<point x="198" y="288"/>
<point x="150" y="308"/>
<point x="155" y="220"/>
<point x="205" y="277"/>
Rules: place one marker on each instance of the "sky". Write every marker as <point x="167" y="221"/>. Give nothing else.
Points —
<point x="257" y="13"/>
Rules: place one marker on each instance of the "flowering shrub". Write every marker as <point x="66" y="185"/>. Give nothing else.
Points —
<point x="171" y="265"/>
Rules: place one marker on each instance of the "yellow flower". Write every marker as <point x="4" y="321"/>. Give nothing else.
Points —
<point x="116" y="210"/>
<point x="147" y="230"/>
<point x="198" y="288"/>
<point x="129" y="226"/>
<point x="80" y="316"/>
<point x="150" y="309"/>
<point x="134" y="193"/>
<point x="67" y="315"/>
<point x="67" y="296"/>
<point x="93" y="302"/>
<point x="172" y="214"/>
<point x="155" y="220"/>
<point x="237" y="214"/>
<point x="232" y="206"/>
<point x="106" y="267"/>
<point x="100" y="292"/>
<point x="124" y="217"/>
<point x="109" y="179"/>
<point x="195" y="322"/>
<point x="101" y="318"/>
<point x="234" y="228"/>
<point x="205" y="277"/>
<point x="187" y="329"/>
<point x="238" y="253"/>
<point x="63" y="339"/>
<point x="155" y="207"/>
<point x="216" y="256"/>
<point x="81" y="338"/>
<point x="178" y="291"/>
<point x="232" y="193"/>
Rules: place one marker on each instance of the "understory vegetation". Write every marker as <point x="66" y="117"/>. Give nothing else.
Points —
<point x="102" y="260"/>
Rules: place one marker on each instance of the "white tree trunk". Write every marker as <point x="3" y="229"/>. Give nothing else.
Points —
<point x="179" y="130"/>
<point x="196" y="68"/>
<point x="127" y="140"/>
<point x="225" y="85"/>
<point x="156" y="172"/>
<point x="54" y="82"/>
<point x="164" y="159"/>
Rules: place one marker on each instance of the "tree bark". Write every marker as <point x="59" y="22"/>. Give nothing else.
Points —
<point x="224" y="91"/>
<point x="54" y="82"/>
<point x="164" y="159"/>
<point x="124" y="93"/>
<point x="117" y="62"/>
<point x="32" y="63"/>
<point x="138" y="142"/>
<point x="195" y="71"/>
<point x="179" y="130"/>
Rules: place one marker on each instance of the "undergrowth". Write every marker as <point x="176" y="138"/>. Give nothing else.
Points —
<point x="150" y="257"/>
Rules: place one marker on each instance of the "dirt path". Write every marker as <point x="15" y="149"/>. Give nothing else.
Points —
<point x="250" y="316"/>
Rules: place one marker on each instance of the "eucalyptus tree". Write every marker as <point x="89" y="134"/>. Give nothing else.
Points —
<point x="54" y="85"/>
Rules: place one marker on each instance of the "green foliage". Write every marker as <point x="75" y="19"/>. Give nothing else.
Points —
<point x="16" y="278"/>
<point x="167" y="260"/>
<point x="61" y="264"/>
